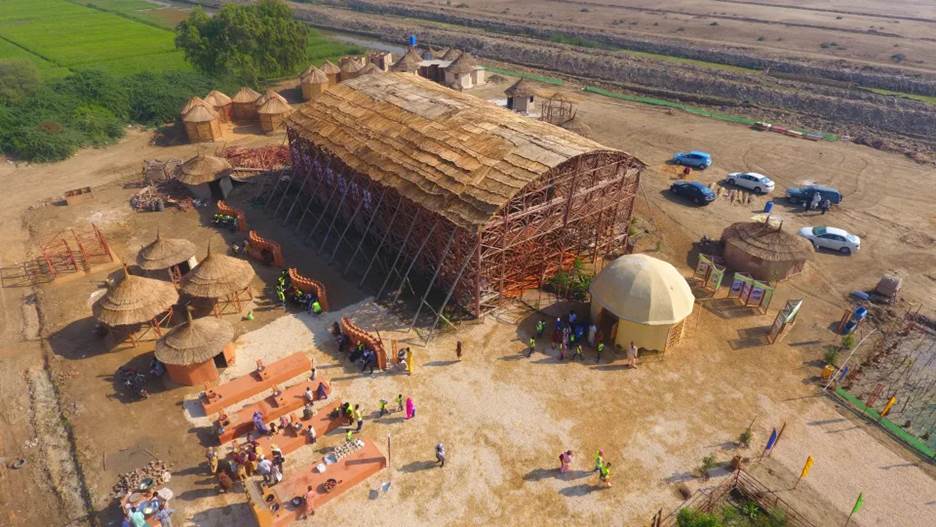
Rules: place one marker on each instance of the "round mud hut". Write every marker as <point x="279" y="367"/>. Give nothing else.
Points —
<point x="764" y="251"/>
<point x="192" y="351"/>
<point x="174" y="255"/>
<point x="331" y="70"/>
<point x="640" y="299"/>
<point x="464" y="73"/>
<point x="272" y="114"/>
<point x="520" y="96"/>
<point x="244" y="105"/>
<point x="222" y="279"/>
<point x="221" y="104"/>
<point x="135" y="300"/>
<point x="208" y="177"/>
<point x="202" y="124"/>
<point x="313" y="84"/>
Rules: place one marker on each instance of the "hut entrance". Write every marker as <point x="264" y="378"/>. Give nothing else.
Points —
<point x="607" y="324"/>
<point x="220" y="361"/>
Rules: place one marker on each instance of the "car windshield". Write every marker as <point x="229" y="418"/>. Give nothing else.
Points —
<point x="819" y="231"/>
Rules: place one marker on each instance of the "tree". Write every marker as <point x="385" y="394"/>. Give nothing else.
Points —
<point x="18" y="78"/>
<point x="249" y="42"/>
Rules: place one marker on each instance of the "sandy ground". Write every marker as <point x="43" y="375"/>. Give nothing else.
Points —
<point x="503" y="418"/>
<point x="860" y="30"/>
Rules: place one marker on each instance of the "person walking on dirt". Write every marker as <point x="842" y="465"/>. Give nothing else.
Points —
<point x="382" y="405"/>
<point x="578" y="353"/>
<point x="604" y="474"/>
<point x="565" y="461"/>
<point x="309" y="497"/>
<point x="540" y="328"/>
<point x="598" y="350"/>
<point x="399" y="400"/>
<point x="531" y="347"/>
<point x="458" y="350"/>
<point x="359" y="417"/>
<point x="632" y="355"/>
<point x="164" y="515"/>
<point x="825" y="205"/>
<point x="599" y="460"/>
<point x="440" y="454"/>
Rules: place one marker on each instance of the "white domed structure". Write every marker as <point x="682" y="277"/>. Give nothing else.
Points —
<point x="641" y="299"/>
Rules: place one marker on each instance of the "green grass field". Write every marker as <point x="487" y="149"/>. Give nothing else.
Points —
<point x="73" y="36"/>
<point x="922" y="98"/>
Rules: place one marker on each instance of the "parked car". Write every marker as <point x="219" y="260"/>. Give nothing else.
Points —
<point x="831" y="238"/>
<point x="695" y="159"/>
<point x="805" y="193"/>
<point x="752" y="181"/>
<point x="695" y="191"/>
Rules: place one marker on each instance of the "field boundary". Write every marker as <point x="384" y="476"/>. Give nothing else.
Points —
<point x="910" y="440"/>
<point x="122" y="14"/>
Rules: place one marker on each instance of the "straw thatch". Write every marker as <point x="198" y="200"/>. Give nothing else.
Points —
<point x="274" y="106"/>
<point x="199" y="114"/>
<point x="408" y="63"/>
<point x="202" y="169"/>
<point x="766" y="242"/>
<point x="269" y="95"/>
<point x="522" y="88"/>
<point x="134" y="300"/>
<point x="465" y="63"/>
<point x="217" y="276"/>
<point x="452" y="153"/>
<point x="329" y="68"/>
<point x="314" y="76"/>
<point x="245" y="96"/>
<point x="194" y="342"/>
<point x="217" y="98"/>
<point x="193" y="103"/>
<point x="451" y="54"/>
<point x="440" y="53"/>
<point x="369" y="69"/>
<point x="163" y="253"/>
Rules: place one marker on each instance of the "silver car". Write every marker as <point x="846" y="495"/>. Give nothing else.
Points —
<point x="831" y="238"/>
<point x="759" y="183"/>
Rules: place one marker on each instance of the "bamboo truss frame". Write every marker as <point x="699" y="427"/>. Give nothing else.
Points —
<point x="579" y="209"/>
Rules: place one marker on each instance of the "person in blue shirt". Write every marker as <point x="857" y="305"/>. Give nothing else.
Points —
<point x="165" y="515"/>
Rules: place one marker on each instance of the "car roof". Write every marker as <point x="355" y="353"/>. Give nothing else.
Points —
<point x="832" y="230"/>
<point x="699" y="185"/>
<point x="821" y="187"/>
<point x="755" y="174"/>
<point x="700" y="153"/>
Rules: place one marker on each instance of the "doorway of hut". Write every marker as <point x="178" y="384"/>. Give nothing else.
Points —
<point x="220" y="361"/>
<point x="607" y="327"/>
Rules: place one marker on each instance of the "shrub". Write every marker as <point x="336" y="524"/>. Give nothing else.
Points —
<point x="46" y="141"/>
<point x="694" y="518"/>
<point x="848" y="341"/>
<point x="830" y="354"/>
<point x="573" y="283"/>
<point x="18" y="79"/>
<point x="745" y="438"/>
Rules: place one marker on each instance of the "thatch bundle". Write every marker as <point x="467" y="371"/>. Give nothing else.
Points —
<point x="202" y="169"/>
<point x="134" y="300"/>
<point x="217" y="276"/>
<point x="195" y="341"/>
<point x="163" y="253"/>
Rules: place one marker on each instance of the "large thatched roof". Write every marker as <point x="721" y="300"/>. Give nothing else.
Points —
<point x="767" y="242"/>
<point x="463" y="64"/>
<point x="134" y="300"/>
<point x="202" y="169"/>
<point x="195" y="341"/>
<point x="217" y="276"/>
<point x="163" y="253"/>
<point x="245" y="95"/>
<point x="454" y="154"/>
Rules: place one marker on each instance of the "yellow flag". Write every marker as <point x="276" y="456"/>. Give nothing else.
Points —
<point x="806" y="467"/>
<point x="887" y="407"/>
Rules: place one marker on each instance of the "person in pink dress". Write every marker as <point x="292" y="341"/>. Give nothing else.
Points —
<point x="410" y="408"/>
<point x="565" y="461"/>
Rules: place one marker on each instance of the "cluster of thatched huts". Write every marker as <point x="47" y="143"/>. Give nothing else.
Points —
<point x="203" y="118"/>
<point x="316" y="79"/>
<point x="450" y="67"/>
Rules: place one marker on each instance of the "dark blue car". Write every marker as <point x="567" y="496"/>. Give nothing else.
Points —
<point x="694" y="191"/>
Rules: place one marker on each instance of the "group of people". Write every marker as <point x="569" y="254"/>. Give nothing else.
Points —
<point x="567" y="338"/>
<point x="245" y="461"/>
<point x="286" y="291"/>
<point x="134" y="515"/>
<point x="817" y="203"/>
<point x="366" y="356"/>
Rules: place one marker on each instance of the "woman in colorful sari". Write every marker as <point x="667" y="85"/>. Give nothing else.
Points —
<point x="410" y="408"/>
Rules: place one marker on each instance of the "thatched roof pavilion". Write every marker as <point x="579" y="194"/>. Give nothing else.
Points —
<point x="520" y="96"/>
<point x="218" y="276"/>
<point x="134" y="300"/>
<point x="465" y="63"/>
<point x="164" y="253"/>
<point x="188" y="350"/>
<point x="203" y="169"/>
<point x="764" y="251"/>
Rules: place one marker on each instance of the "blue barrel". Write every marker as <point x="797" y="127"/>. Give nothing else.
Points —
<point x="768" y="207"/>
<point x="412" y="41"/>
<point x="860" y="313"/>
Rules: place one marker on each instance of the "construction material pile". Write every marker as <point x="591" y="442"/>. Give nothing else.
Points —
<point x="155" y="197"/>
<point x="272" y="157"/>
<point x="155" y="473"/>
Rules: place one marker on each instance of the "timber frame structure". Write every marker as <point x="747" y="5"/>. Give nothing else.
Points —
<point x="487" y="240"/>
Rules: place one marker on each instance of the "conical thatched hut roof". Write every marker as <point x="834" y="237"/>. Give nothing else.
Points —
<point x="134" y="300"/>
<point x="245" y="95"/>
<point x="193" y="103"/>
<point x="217" y="98"/>
<point x="440" y="53"/>
<point x="199" y="114"/>
<point x="351" y="66"/>
<point x="268" y="95"/>
<point x="194" y="342"/>
<point x="767" y="242"/>
<point x="217" y="276"/>
<point x="329" y="68"/>
<point x="408" y="63"/>
<point x="308" y="70"/>
<point x="370" y="68"/>
<point x="315" y="76"/>
<point x="274" y="106"/>
<point x="451" y="54"/>
<point x="163" y="253"/>
<point x="202" y="169"/>
<point x="522" y="88"/>
<point x="465" y="63"/>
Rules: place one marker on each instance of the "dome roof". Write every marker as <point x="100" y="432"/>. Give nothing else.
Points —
<point x="643" y="289"/>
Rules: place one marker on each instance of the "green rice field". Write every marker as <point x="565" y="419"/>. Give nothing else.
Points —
<point x="58" y="34"/>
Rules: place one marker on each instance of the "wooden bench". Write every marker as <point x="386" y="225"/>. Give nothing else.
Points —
<point x="241" y="388"/>
<point x="292" y="398"/>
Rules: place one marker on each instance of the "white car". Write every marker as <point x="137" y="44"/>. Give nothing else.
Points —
<point x="752" y="181"/>
<point x="831" y="238"/>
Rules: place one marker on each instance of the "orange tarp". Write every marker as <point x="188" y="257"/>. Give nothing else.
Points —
<point x="242" y="388"/>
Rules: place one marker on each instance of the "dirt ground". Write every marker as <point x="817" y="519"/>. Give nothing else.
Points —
<point x="861" y="30"/>
<point x="504" y="419"/>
